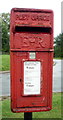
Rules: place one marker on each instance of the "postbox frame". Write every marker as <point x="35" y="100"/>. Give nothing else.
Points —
<point x="13" y="52"/>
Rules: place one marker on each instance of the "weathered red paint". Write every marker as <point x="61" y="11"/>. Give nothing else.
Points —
<point x="31" y="30"/>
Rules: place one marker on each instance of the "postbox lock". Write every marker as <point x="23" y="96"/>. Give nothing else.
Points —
<point x="32" y="55"/>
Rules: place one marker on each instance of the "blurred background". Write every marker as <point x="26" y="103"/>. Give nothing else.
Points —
<point x="5" y="10"/>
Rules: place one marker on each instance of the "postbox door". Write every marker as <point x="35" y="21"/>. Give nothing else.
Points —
<point x="29" y="99"/>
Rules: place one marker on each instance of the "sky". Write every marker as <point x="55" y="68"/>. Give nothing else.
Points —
<point x="55" y="5"/>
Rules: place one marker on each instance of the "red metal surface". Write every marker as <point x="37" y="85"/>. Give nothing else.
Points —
<point x="31" y="30"/>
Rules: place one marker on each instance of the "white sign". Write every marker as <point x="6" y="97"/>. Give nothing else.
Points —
<point x="32" y="75"/>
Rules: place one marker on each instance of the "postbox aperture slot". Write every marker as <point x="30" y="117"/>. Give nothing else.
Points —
<point x="32" y="29"/>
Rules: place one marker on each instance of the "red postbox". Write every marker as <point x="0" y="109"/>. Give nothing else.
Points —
<point x="31" y="51"/>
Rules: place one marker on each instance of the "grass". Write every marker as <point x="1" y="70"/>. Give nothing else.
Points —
<point x="4" y="62"/>
<point x="54" y="113"/>
<point x="58" y="58"/>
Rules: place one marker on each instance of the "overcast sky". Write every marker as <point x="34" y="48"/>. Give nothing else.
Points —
<point x="55" y="5"/>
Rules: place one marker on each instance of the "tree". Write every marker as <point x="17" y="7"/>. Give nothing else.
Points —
<point x="5" y="31"/>
<point x="58" y="49"/>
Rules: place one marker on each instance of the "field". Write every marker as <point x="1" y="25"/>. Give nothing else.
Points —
<point x="54" y="113"/>
<point x="6" y="111"/>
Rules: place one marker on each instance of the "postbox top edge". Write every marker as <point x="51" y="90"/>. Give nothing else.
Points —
<point x="31" y="10"/>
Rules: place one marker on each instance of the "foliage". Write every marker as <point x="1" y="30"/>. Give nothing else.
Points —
<point x="5" y="26"/>
<point x="58" y="48"/>
<point x="5" y="17"/>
